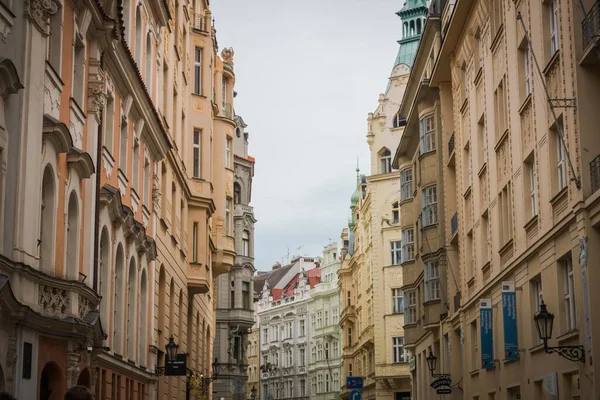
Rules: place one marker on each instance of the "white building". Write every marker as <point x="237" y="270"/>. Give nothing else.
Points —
<point x="325" y="366"/>
<point x="284" y="337"/>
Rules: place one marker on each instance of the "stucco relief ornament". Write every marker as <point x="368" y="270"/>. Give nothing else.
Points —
<point x="39" y="11"/>
<point x="227" y="55"/>
<point x="11" y="352"/>
<point x="98" y="101"/>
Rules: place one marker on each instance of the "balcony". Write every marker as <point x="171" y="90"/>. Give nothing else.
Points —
<point x="591" y="26"/>
<point x="226" y="111"/>
<point x="197" y="278"/>
<point x="595" y="174"/>
<point x="201" y="22"/>
<point x="240" y="210"/>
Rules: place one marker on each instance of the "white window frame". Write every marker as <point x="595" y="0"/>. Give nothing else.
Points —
<point x="406" y="180"/>
<point x="429" y="216"/>
<point x="395" y="213"/>
<point x="228" y="153"/>
<point x="561" y="165"/>
<point x="399" y="352"/>
<point x="385" y="162"/>
<point x="427" y="134"/>
<point x="228" y="216"/>
<point x="397" y="301"/>
<point x="533" y="188"/>
<point x="569" y="294"/>
<point x="527" y="70"/>
<point x="198" y="70"/>
<point x="302" y="329"/>
<point x="396" y="252"/>
<point x="246" y="243"/>
<point x="408" y="244"/>
<point x="553" y="27"/>
<point x="410" y="307"/>
<point x="196" y="154"/>
<point x="432" y="280"/>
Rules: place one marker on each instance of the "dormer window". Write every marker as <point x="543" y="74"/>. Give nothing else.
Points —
<point x="385" y="161"/>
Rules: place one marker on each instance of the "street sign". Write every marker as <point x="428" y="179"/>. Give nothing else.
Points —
<point x="441" y="382"/>
<point x="444" y="391"/>
<point x="177" y="367"/>
<point x="355" y="395"/>
<point x="354" y="382"/>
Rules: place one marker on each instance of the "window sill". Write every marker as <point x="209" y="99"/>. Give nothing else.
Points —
<point x="553" y="60"/>
<point x="501" y="140"/>
<point x="573" y="334"/>
<point x="482" y="170"/>
<point x="471" y="282"/>
<point x="486" y="267"/>
<point x="559" y="196"/>
<point x="407" y="262"/>
<point x="475" y="372"/>
<point x="532" y="222"/>
<point x="505" y="247"/>
<point x="467" y="191"/>
<point x="525" y="104"/>
<point x="431" y="302"/>
<point x="537" y="348"/>
<point x="427" y="153"/>
<point x="496" y="38"/>
<point x="198" y="95"/>
<point x="433" y="225"/>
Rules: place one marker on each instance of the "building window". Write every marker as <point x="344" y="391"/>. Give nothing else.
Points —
<point x="406" y="190"/>
<point x="54" y="50"/>
<point x="224" y="92"/>
<point x="266" y="336"/>
<point x="399" y="121"/>
<point x="537" y="292"/>
<point x="531" y="186"/>
<point x="246" y="295"/>
<point x="505" y="203"/>
<point x="410" y="312"/>
<point x="195" y="242"/>
<point x="496" y="16"/>
<point x="395" y="213"/>
<point x="149" y="62"/>
<point x="561" y="166"/>
<point x="349" y="333"/>
<point x="302" y="356"/>
<point x="198" y="71"/>
<point x="427" y="132"/>
<point x="396" y="251"/>
<point x="123" y="149"/>
<point x="408" y="244"/>
<point x="432" y="280"/>
<point x="237" y="193"/>
<point x="429" y="206"/>
<point x="319" y="319"/>
<point x="552" y="15"/>
<point x="135" y="161"/>
<point x="500" y="100"/>
<point x="398" y="348"/>
<point x="397" y="301"/>
<point x="78" y="87"/>
<point x="196" y="154"/>
<point x="335" y="349"/>
<point x="474" y="346"/>
<point x="246" y="243"/>
<point x="228" y="216"/>
<point x="385" y="162"/>
<point x="109" y="122"/>
<point x="302" y="327"/>
<point x="481" y="142"/>
<point x="566" y="265"/>
<point x="147" y="194"/>
<point x="524" y="53"/>
<point x="228" y="154"/>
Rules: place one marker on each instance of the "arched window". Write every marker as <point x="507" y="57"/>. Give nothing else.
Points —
<point x="173" y="205"/>
<point x="72" y="260"/>
<point x="163" y="189"/>
<point x="246" y="243"/>
<point x="131" y="315"/>
<point x="405" y="30"/>
<point x="119" y="286"/>
<point x="237" y="193"/>
<point x="419" y="26"/>
<point x="395" y="213"/>
<point x="104" y="275"/>
<point x="143" y="323"/>
<point x="385" y="161"/>
<point x="47" y="230"/>
<point x="149" y="62"/>
<point x="399" y="121"/>
<point x="138" y="36"/>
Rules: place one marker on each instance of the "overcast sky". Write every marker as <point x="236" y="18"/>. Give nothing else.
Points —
<point x="307" y="74"/>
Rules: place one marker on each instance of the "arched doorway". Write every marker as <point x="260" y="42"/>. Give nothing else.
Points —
<point x="51" y="383"/>
<point x="85" y="379"/>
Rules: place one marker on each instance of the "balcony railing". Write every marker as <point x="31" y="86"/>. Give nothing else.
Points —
<point x="595" y="173"/>
<point x="454" y="223"/>
<point x="591" y="25"/>
<point x="200" y="22"/>
<point x="451" y="145"/>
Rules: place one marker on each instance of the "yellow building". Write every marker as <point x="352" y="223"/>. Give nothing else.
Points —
<point x="514" y="163"/>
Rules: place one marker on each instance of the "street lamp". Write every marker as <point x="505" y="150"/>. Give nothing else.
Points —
<point x="544" y="322"/>
<point x="431" y="364"/>
<point x="171" y="348"/>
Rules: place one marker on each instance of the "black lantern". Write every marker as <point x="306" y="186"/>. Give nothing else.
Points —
<point x="544" y="321"/>
<point x="171" y="348"/>
<point x="431" y="361"/>
<point x="253" y="392"/>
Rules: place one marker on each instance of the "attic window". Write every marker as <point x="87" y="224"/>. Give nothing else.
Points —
<point x="399" y="121"/>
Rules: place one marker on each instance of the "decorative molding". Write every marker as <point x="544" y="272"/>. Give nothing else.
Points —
<point x="58" y="133"/>
<point x="9" y="78"/>
<point x="39" y="11"/>
<point x="81" y="162"/>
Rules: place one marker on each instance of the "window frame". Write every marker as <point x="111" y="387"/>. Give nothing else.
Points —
<point x="429" y="200"/>
<point x="408" y="244"/>
<point x="397" y="301"/>
<point x="433" y="289"/>
<point x="198" y="52"/>
<point x="197" y="154"/>
<point x="385" y="161"/>
<point x="398" y="351"/>
<point x="570" y="319"/>
<point x="410" y="307"/>
<point x="406" y="181"/>
<point x="396" y="252"/>
<point x="427" y="134"/>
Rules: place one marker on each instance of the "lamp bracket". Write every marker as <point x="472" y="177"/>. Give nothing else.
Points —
<point x="571" y="353"/>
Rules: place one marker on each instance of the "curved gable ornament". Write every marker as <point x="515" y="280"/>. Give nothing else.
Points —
<point x="81" y="162"/>
<point x="38" y="11"/>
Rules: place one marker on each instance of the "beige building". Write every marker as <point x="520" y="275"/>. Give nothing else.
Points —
<point x="253" y="382"/>
<point x="516" y="174"/>
<point x="116" y="125"/>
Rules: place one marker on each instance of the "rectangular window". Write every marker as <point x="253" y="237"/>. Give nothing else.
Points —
<point x="505" y="203"/>
<point x="302" y="356"/>
<point x="266" y="335"/>
<point x="319" y="319"/>
<point x="552" y="8"/>
<point x="566" y="264"/>
<point x="246" y="295"/>
<point x="109" y="123"/>
<point x="501" y="117"/>
<point x="410" y="312"/>
<point x="429" y="215"/>
<point x="395" y="213"/>
<point x="228" y="217"/>
<point x="474" y="346"/>
<point x="224" y="92"/>
<point x="481" y="145"/>
<point x="198" y="71"/>
<point x="514" y="393"/>
<point x="302" y="327"/>
<point x="396" y="252"/>
<point x="195" y="242"/>
<point x="397" y="301"/>
<point x="123" y="147"/>
<point x="531" y="185"/>
<point x="406" y="190"/>
<point x="398" y="349"/>
<point x="196" y="154"/>
<point x="335" y="349"/>
<point x="334" y="315"/>
<point x="427" y="131"/>
<point x="246" y="243"/>
<point x="79" y="61"/>
<point x="408" y="244"/>
<point x="496" y="17"/>
<point x="526" y="70"/>
<point x="385" y="160"/>
<point x="228" y="154"/>
<point x="349" y="336"/>
<point x="432" y="280"/>
<point x="561" y="165"/>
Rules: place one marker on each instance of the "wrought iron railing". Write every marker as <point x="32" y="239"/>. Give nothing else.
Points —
<point x="595" y="173"/>
<point x="591" y="25"/>
<point x="451" y="145"/>
<point x="454" y="223"/>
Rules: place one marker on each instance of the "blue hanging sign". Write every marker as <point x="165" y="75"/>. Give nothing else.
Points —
<point x="509" y="318"/>
<point x="487" y="338"/>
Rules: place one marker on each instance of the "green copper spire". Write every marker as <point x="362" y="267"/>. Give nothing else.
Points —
<point x="413" y="16"/>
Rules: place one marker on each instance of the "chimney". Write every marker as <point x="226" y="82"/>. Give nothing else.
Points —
<point x="276" y="266"/>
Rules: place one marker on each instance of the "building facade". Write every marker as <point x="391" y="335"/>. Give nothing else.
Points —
<point x="284" y="334"/>
<point x="325" y="362"/>
<point x="517" y="165"/>
<point x="116" y="174"/>
<point x="235" y="315"/>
